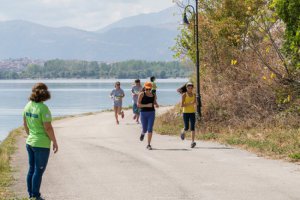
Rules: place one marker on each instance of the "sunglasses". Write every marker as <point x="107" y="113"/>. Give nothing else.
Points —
<point x="148" y="89"/>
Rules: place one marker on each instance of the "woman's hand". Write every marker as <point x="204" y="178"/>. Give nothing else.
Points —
<point x="156" y="105"/>
<point x="55" y="147"/>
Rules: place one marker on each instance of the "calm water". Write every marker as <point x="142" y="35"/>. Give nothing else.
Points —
<point x="71" y="97"/>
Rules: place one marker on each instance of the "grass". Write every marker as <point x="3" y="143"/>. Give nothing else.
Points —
<point x="7" y="148"/>
<point x="281" y="142"/>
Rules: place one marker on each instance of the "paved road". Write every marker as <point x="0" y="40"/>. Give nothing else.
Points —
<point x="99" y="160"/>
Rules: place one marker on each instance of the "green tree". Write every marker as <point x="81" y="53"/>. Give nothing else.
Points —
<point x="162" y="74"/>
<point x="289" y="12"/>
<point x="240" y="42"/>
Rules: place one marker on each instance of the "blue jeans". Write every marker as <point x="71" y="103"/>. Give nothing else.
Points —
<point x="147" y="119"/>
<point x="187" y="118"/>
<point x="38" y="159"/>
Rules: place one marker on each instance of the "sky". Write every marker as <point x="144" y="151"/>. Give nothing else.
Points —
<point x="82" y="14"/>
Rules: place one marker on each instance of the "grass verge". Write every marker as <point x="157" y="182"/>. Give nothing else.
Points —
<point x="281" y="142"/>
<point x="7" y="148"/>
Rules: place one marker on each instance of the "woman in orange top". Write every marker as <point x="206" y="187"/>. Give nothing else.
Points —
<point x="188" y="104"/>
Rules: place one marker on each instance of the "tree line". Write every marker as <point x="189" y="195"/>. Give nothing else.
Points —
<point x="57" y="68"/>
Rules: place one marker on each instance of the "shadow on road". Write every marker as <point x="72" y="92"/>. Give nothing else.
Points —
<point x="213" y="148"/>
<point x="157" y="149"/>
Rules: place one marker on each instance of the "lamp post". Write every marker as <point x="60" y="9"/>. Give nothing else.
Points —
<point x="196" y="39"/>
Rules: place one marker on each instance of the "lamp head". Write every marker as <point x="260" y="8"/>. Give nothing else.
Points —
<point x="185" y="19"/>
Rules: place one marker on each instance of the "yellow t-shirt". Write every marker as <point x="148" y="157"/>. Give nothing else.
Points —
<point x="189" y="108"/>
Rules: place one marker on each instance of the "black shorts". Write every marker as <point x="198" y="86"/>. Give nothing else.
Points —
<point x="189" y="118"/>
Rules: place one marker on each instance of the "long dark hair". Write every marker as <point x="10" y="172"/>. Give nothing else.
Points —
<point x="39" y="93"/>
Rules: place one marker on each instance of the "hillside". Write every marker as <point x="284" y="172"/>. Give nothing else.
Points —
<point x="142" y="37"/>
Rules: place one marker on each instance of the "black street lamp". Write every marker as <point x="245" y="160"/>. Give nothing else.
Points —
<point x="196" y="35"/>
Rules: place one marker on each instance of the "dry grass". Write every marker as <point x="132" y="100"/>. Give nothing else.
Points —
<point x="271" y="137"/>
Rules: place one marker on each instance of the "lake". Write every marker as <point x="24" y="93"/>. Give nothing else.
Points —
<point x="72" y="97"/>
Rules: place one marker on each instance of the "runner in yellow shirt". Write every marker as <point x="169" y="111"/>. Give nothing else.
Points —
<point x="188" y="104"/>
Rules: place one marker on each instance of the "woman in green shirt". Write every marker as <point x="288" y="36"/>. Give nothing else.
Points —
<point x="37" y="122"/>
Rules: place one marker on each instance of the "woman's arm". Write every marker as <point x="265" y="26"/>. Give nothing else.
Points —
<point x="25" y="126"/>
<point x="182" y="100"/>
<point x="50" y="132"/>
<point x="112" y="94"/>
<point x="155" y="101"/>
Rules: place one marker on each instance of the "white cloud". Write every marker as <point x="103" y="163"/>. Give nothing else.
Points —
<point x="83" y="14"/>
<point x="3" y="17"/>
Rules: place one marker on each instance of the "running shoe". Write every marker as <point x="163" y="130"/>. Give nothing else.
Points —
<point x="182" y="135"/>
<point x="142" y="137"/>
<point x="193" y="144"/>
<point x="149" y="147"/>
<point x="122" y="114"/>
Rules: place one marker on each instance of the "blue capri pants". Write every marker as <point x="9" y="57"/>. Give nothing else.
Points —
<point x="147" y="119"/>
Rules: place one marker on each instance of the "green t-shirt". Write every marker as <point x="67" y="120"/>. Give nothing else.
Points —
<point x="154" y="86"/>
<point x="36" y="114"/>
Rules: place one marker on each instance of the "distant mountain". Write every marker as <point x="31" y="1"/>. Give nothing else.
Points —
<point x="24" y="39"/>
<point x="127" y="39"/>
<point x="168" y="18"/>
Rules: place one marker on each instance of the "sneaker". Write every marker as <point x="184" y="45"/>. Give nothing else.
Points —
<point x="122" y="115"/>
<point x="182" y="135"/>
<point x="142" y="137"/>
<point x="193" y="144"/>
<point x="149" y="147"/>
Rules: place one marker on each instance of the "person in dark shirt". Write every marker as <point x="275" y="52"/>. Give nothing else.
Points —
<point x="147" y="101"/>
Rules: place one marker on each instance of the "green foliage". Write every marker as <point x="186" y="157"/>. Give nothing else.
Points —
<point x="289" y="12"/>
<point x="295" y="156"/>
<point x="82" y="69"/>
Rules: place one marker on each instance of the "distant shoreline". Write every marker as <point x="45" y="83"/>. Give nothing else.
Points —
<point x="94" y="91"/>
<point x="168" y="80"/>
<point x="72" y="116"/>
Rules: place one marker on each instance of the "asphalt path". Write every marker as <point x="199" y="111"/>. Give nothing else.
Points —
<point x="98" y="159"/>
